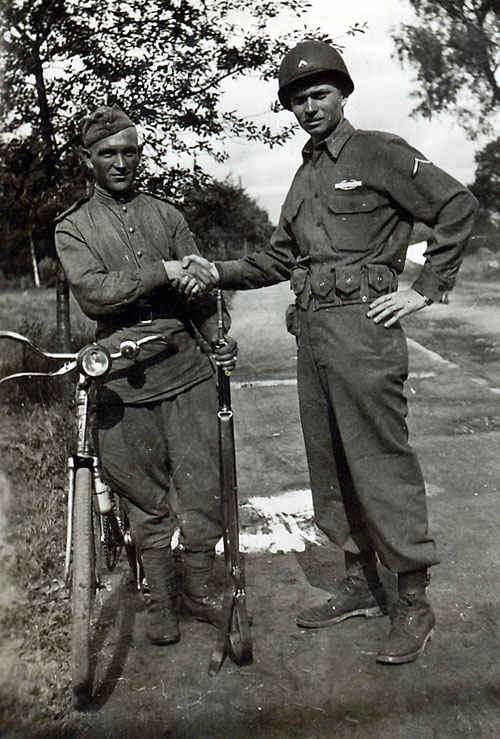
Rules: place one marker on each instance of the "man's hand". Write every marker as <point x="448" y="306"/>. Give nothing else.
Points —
<point x="181" y="280"/>
<point x="204" y="271"/>
<point x="225" y="354"/>
<point x="395" y="306"/>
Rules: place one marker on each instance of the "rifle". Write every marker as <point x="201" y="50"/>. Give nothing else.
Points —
<point x="234" y="638"/>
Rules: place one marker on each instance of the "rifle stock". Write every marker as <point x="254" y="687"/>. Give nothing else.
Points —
<point x="234" y="638"/>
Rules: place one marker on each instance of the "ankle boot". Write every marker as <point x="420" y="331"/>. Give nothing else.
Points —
<point x="413" y="622"/>
<point x="159" y="568"/>
<point x="362" y="567"/>
<point x="360" y="593"/>
<point x="199" y="599"/>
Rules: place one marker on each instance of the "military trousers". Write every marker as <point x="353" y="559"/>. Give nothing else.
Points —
<point x="163" y="459"/>
<point x="367" y="486"/>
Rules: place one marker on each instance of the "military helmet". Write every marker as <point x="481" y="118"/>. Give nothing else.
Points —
<point x="307" y="59"/>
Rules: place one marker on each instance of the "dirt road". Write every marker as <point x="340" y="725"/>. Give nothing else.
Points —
<point x="308" y="684"/>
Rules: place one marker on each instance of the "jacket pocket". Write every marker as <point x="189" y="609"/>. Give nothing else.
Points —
<point x="354" y="202"/>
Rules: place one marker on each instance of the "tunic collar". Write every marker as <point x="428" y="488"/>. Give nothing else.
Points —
<point x="334" y="143"/>
<point x="103" y="196"/>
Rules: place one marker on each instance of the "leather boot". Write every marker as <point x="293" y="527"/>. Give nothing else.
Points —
<point x="413" y="622"/>
<point x="159" y="568"/>
<point x="199" y="599"/>
<point x="360" y="593"/>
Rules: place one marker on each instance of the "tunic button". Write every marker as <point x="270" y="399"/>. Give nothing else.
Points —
<point x="348" y="279"/>
<point x="131" y="229"/>
<point x="139" y="253"/>
<point x="124" y="208"/>
<point x="364" y="298"/>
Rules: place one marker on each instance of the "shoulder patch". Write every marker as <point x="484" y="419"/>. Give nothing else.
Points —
<point x="416" y="163"/>
<point x="77" y="204"/>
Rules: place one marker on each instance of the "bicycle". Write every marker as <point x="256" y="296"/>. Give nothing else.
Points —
<point x="97" y="524"/>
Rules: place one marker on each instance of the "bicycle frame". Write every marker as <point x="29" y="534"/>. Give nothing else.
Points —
<point x="82" y="458"/>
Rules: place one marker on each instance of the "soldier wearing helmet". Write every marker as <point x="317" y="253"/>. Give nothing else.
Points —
<point x="342" y="240"/>
<point x="312" y="59"/>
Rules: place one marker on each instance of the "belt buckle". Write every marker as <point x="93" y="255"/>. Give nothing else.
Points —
<point x="148" y="320"/>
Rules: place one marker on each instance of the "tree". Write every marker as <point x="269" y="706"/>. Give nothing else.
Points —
<point x="226" y="221"/>
<point x="455" y="47"/>
<point x="165" y="62"/>
<point x="486" y="186"/>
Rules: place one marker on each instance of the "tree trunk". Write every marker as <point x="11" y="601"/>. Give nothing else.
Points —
<point x="36" y="274"/>
<point x="63" y="329"/>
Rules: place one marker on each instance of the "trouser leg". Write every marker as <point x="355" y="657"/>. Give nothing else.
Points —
<point x="194" y="456"/>
<point x="193" y="450"/>
<point x="336" y="508"/>
<point x="132" y="447"/>
<point x="362" y="367"/>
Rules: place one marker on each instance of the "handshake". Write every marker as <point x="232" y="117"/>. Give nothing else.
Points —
<point x="192" y="276"/>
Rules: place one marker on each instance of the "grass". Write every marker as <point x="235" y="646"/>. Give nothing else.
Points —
<point x="36" y="437"/>
<point x="34" y="450"/>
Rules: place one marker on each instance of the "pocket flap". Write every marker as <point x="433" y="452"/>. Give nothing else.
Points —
<point x="354" y="202"/>
<point x="380" y="277"/>
<point x="322" y="282"/>
<point x="348" y="281"/>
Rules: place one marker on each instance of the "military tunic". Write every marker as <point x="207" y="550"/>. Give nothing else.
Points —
<point x="342" y="239"/>
<point x="157" y="415"/>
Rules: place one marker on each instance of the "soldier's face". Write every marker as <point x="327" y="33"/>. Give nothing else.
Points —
<point x="318" y="107"/>
<point x="114" y="160"/>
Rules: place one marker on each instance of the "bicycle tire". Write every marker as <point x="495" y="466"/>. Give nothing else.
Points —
<point x="83" y="585"/>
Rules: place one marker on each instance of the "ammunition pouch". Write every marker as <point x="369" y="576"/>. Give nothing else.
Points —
<point x="328" y="286"/>
<point x="292" y="320"/>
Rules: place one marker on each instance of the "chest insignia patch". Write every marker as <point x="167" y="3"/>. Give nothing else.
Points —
<point x="416" y="163"/>
<point x="348" y="184"/>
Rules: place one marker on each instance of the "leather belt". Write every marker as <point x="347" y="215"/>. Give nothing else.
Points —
<point x="329" y="286"/>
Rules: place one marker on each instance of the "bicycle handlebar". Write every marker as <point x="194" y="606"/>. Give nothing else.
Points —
<point x="129" y="349"/>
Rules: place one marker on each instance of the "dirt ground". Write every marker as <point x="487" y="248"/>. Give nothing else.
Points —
<point x="326" y="683"/>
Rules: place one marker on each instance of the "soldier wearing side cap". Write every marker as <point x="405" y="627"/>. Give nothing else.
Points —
<point x="156" y="417"/>
<point x="342" y="240"/>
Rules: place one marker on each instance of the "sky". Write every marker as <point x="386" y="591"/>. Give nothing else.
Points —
<point x="381" y="101"/>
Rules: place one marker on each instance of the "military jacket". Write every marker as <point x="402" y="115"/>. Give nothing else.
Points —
<point x="352" y="203"/>
<point x="111" y="250"/>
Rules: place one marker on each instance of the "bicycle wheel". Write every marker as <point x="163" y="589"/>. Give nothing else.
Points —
<point x="83" y="585"/>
